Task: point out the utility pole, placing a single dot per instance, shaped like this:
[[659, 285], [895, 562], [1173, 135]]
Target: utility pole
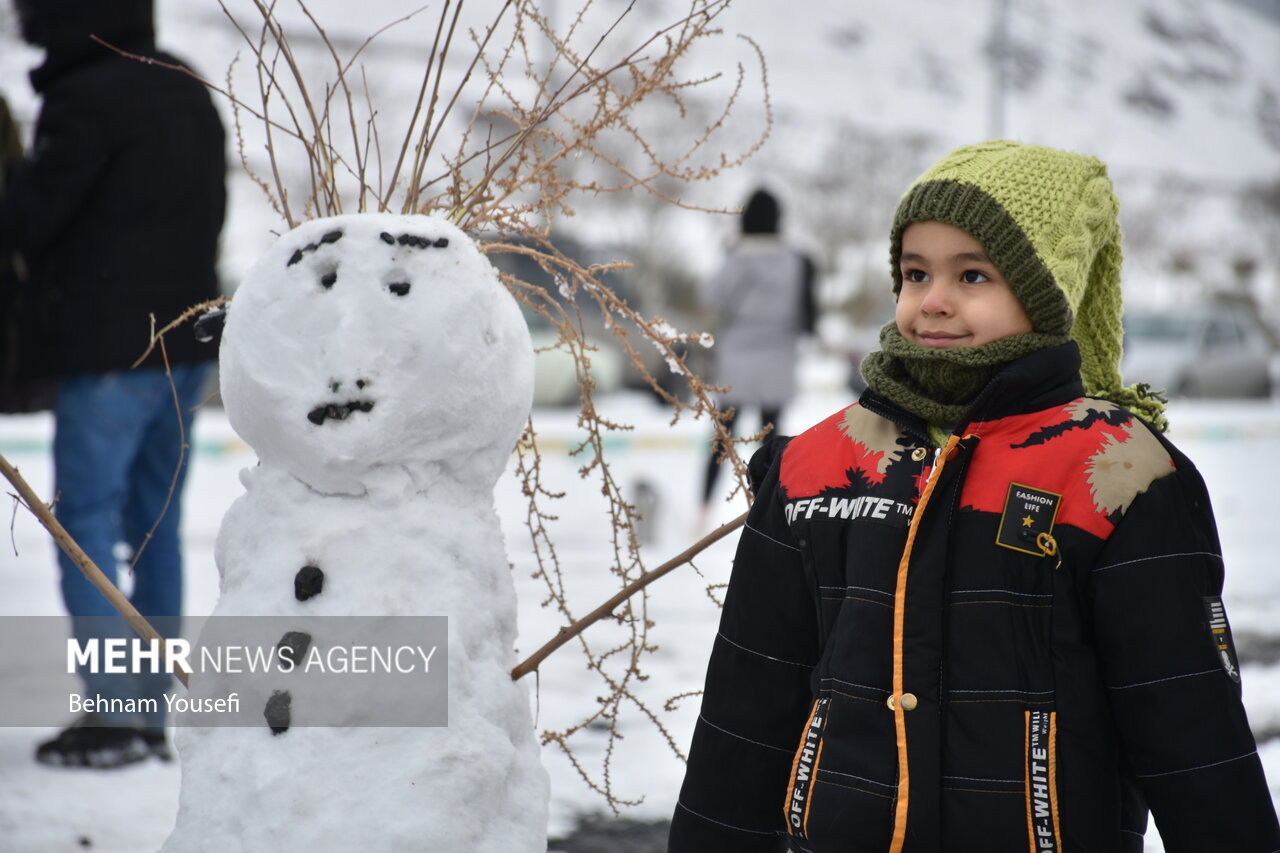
[[998, 51]]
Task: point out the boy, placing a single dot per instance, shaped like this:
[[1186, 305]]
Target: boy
[[980, 609]]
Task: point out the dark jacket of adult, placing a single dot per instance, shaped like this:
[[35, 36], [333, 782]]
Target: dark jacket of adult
[[118, 207], [1016, 643]]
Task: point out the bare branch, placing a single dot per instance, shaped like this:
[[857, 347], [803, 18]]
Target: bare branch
[[531, 663], [91, 571]]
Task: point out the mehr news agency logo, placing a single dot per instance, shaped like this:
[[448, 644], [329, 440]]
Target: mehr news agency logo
[[294, 653]]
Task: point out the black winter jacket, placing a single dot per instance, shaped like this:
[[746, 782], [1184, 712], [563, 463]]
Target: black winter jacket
[[118, 208], [1014, 643]]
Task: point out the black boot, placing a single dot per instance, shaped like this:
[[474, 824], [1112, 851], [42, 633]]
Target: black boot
[[88, 743]]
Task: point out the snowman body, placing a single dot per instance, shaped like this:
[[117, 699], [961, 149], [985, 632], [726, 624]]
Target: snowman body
[[382, 374]]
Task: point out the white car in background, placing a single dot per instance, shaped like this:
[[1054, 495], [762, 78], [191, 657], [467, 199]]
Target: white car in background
[[555, 370], [1220, 347], [555, 380]]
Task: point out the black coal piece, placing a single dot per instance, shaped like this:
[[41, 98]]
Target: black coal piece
[[297, 642], [278, 713], [308, 582]]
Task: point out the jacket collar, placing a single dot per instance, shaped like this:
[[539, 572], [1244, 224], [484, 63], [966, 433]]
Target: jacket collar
[[1035, 381]]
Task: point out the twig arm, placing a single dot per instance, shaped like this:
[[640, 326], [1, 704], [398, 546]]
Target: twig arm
[[41, 511], [568, 632]]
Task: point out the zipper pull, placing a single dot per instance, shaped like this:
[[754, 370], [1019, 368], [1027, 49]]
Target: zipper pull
[[1048, 547]]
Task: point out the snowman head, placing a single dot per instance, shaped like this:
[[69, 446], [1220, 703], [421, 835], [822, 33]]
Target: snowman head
[[370, 342]]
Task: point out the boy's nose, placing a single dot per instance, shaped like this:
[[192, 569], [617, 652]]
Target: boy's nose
[[937, 301]]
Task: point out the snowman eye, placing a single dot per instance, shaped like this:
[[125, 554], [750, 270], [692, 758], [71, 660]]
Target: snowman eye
[[327, 280], [399, 288]]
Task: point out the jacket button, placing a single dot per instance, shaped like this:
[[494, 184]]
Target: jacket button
[[907, 702], [919, 454]]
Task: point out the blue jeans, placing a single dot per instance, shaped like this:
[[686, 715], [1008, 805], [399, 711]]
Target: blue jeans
[[116, 448]]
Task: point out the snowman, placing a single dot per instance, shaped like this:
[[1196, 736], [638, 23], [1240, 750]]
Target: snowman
[[382, 374]]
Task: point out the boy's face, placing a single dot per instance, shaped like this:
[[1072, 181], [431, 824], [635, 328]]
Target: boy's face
[[952, 294]]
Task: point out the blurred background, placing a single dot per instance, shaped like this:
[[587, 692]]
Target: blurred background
[[1181, 98]]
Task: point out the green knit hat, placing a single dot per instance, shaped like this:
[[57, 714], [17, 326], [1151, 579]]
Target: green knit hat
[[1048, 220]]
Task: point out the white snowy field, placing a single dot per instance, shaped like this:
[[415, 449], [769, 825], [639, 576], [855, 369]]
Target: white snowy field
[[131, 810]]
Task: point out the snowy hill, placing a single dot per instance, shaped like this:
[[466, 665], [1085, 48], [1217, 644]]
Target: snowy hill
[[1189, 88], [1180, 97]]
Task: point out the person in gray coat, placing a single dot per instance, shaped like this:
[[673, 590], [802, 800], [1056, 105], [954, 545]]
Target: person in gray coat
[[762, 298]]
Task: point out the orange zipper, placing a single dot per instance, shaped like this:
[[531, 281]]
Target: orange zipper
[[899, 620]]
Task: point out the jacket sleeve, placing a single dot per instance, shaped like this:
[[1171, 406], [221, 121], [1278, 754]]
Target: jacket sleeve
[[1171, 672], [757, 693], [48, 188]]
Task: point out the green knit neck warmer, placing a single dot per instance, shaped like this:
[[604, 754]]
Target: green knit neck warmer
[[939, 385]]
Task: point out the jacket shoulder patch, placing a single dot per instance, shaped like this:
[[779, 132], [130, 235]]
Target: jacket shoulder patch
[[1124, 468], [852, 442], [875, 441], [1092, 452]]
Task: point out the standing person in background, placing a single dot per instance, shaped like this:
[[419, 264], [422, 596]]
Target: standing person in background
[[762, 299], [116, 212]]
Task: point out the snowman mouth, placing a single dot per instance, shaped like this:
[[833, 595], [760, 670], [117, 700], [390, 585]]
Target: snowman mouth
[[337, 411]]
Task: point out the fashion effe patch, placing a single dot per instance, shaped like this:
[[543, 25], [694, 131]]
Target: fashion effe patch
[[1026, 524]]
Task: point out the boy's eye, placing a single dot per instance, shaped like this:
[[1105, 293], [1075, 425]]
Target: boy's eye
[[973, 277], [915, 275]]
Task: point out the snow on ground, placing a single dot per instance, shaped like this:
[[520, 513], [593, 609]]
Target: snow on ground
[[46, 810]]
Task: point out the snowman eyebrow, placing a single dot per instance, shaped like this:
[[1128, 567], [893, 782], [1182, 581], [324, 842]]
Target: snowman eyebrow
[[331, 237], [414, 240]]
